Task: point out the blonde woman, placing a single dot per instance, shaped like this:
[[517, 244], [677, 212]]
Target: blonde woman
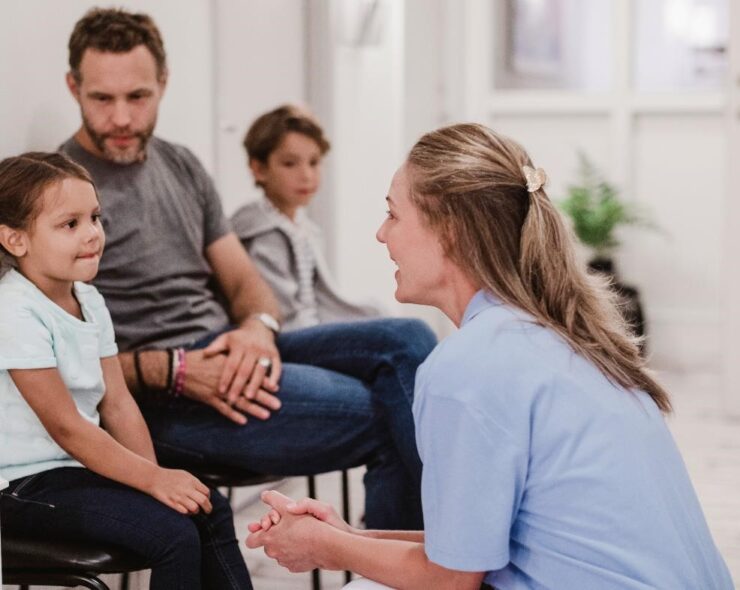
[[547, 461]]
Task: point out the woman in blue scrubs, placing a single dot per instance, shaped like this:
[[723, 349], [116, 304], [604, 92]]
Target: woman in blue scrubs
[[547, 460]]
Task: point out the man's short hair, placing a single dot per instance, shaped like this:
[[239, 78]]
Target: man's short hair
[[269, 129], [115, 31]]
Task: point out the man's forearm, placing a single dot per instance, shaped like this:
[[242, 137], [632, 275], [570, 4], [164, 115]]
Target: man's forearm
[[253, 296], [153, 370]]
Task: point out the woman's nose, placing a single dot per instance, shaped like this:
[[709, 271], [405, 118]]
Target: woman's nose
[[380, 234]]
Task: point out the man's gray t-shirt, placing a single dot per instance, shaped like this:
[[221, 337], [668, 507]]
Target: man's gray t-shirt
[[159, 217]]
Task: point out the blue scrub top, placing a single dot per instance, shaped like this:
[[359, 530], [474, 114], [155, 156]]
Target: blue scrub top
[[541, 472]]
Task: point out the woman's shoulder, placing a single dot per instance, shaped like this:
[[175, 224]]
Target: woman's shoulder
[[500, 349], [503, 335]]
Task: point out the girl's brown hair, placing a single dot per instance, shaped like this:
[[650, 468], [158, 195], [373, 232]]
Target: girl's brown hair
[[23, 180], [470, 186]]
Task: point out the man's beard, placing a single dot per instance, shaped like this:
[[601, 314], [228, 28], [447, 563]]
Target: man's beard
[[131, 155]]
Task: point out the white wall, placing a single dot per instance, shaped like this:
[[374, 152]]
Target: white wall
[[731, 238], [679, 174], [260, 58], [36, 110], [357, 92]]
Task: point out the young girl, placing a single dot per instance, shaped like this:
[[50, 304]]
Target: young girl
[[73, 443], [285, 147]]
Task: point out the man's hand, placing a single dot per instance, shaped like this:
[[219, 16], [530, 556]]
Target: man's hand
[[293, 541], [201, 385], [243, 348]]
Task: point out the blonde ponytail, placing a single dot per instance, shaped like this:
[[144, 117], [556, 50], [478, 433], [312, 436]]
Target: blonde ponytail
[[474, 185]]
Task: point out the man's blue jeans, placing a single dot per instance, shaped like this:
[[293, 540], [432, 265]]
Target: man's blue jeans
[[346, 394], [75, 504]]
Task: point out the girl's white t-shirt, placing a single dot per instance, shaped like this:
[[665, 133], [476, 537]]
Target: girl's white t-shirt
[[35, 333]]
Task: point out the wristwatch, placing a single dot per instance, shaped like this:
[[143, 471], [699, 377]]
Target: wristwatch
[[269, 321]]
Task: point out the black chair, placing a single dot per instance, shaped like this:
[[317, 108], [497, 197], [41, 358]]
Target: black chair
[[32, 560], [28, 561]]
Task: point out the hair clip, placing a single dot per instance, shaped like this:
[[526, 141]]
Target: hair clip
[[536, 179]]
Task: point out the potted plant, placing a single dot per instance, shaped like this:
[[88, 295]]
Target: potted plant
[[596, 211]]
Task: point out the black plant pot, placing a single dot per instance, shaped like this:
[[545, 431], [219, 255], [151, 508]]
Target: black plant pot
[[603, 265], [629, 297]]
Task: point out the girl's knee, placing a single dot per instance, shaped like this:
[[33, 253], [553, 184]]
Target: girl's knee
[[179, 538], [218, 525], [221, 509]]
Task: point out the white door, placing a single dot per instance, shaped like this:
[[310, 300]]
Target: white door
[[731, 299], [641, 89]]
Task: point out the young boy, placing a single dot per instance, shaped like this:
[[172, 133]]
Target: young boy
[[285, 148]]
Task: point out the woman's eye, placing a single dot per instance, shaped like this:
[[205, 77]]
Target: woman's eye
[[72, 223]]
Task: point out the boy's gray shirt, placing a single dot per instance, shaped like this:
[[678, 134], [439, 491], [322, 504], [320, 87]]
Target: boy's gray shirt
[[258, 227], [159, 217]]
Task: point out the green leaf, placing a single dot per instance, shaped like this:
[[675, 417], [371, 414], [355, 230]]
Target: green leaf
[[594, 206]]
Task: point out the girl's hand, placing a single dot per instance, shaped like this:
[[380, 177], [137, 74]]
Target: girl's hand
[[180, 491]]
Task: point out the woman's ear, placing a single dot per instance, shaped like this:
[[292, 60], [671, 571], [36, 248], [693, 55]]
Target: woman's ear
[[13, 240]]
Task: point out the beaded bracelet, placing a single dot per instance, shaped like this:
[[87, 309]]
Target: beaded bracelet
[[179, 381]]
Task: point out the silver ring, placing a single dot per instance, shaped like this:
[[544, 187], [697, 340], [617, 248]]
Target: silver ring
[[265, 362]]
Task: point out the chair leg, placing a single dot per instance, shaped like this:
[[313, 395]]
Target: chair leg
[[345, 495], [124, 581], [346, 512], [315, 574], [92, 583]]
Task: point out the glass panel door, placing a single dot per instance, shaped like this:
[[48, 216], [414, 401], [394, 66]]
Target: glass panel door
[[553, 44], [681, 45]]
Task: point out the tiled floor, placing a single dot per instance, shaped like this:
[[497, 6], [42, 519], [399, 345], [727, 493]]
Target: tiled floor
[[710, 444], [709, 441]]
